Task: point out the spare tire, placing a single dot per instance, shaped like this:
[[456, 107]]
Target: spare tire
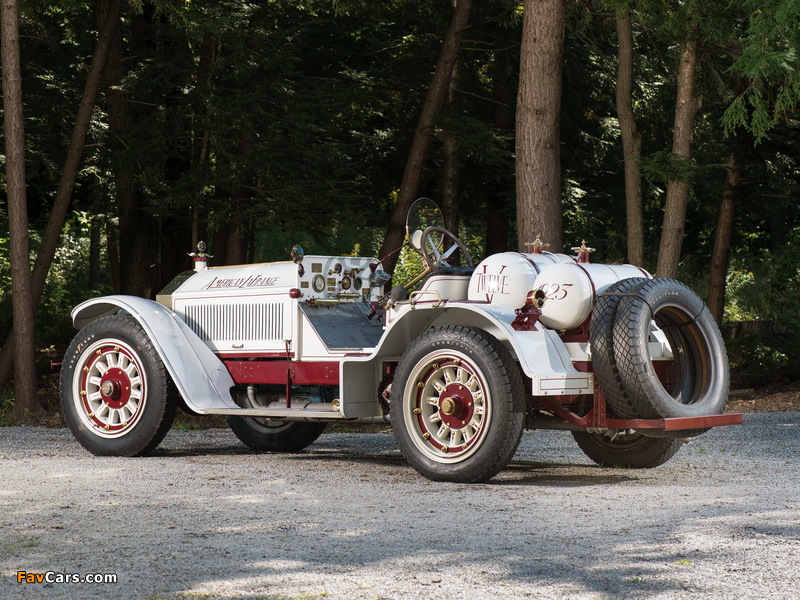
[[701, 380], [601, 338]]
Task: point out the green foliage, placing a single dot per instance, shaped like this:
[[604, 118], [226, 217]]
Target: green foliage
[[5, 284], [343, 238], [409, 265], [67, 281], [663, 166], [771, 66], [66, 284], [6, 409], [763, 296]]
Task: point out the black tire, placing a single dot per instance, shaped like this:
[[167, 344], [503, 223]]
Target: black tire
[[601, 338], [457, 405], [701, 380], [263, 435], [630, 450], [115, 392]]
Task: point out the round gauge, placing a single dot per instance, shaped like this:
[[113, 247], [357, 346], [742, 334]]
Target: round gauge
[[318, 283], [346, 282], [358, 283]]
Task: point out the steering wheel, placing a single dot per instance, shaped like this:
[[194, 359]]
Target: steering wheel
[[430, 249]]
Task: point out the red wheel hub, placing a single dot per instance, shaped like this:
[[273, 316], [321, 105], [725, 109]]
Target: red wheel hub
[[115, 388], [456, 406]]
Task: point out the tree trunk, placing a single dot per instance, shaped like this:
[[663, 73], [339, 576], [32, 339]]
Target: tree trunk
[[450, 163], [498, 201], [135, 224], [450, 180], [538, 129], [112, 248], [25, 400], [631, 139], [686, 107], [423, 134], [219, 246], [778, 219], [95, 235], [236, 251], [199, 164], [722, 240], [69, 174]]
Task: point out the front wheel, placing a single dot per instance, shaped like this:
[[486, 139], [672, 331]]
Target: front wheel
[[457, 405], [627, 449], [115, 392]]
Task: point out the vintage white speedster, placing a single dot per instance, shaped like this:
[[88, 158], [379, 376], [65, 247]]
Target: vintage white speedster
[[461, 359]]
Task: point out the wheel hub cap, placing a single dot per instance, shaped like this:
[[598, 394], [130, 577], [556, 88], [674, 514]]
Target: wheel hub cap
[[448, 406], [115, 388], [455, 408]]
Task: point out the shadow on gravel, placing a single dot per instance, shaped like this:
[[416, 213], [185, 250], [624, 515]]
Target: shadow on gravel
[[350, 459], [200, 451], [519, 473], [531, 474], [309, 456]]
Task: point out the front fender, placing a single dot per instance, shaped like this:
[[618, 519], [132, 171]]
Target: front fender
[[201, 377]]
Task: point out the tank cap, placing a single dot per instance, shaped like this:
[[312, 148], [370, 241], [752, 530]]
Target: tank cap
[[583, 252], [537, 245]]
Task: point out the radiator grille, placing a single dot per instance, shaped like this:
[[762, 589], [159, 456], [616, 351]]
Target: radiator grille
[[236, 322]]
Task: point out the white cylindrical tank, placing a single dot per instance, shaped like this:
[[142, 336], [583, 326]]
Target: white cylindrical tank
[[507, 277], [570, 290]]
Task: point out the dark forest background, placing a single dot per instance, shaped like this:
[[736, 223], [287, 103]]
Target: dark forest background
[[258, 125]]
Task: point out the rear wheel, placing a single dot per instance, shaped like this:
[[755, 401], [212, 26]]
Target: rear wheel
[[627, 449], [264, 435], [457, 405], [115, 391]]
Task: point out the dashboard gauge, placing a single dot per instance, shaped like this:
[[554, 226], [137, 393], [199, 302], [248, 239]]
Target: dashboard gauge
[[346, 283], [358, 283], [318, 283]]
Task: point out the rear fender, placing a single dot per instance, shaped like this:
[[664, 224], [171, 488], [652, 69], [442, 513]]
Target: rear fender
[[539, 351], [201, 378], [541, 354]]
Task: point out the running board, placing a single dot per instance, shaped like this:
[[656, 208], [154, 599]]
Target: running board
[[300, 410], [279, 413], [299, 414]]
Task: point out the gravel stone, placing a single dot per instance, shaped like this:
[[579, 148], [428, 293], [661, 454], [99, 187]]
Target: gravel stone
[[203, 517]]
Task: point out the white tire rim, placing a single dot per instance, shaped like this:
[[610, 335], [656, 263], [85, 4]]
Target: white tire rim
[[109, 386], [447, 406]]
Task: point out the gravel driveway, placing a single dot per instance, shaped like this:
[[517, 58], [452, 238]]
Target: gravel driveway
[[203, 518]]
